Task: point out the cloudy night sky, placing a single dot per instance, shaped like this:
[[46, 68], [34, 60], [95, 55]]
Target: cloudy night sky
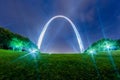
[[94, 19]]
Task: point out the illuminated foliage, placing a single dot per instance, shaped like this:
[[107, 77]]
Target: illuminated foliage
[[9, 40], [21, 45], [104, 45], [92, 51], [16, 44]]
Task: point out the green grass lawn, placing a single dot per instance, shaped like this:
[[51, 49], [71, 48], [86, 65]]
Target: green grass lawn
[[59, 66]]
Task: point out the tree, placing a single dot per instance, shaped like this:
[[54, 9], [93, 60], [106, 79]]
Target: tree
[[16, 44], [104, 45], [9, 40]]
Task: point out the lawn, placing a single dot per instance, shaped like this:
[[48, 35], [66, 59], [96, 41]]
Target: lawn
[[16, 66]]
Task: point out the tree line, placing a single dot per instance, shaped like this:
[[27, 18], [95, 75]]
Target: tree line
[[104, 45], [10, 40]]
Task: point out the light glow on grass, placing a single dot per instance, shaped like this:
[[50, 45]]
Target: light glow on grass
[[33, 51]]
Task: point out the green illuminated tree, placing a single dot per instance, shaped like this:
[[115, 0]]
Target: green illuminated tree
[[16, 44], [9, 40], [104, 45]]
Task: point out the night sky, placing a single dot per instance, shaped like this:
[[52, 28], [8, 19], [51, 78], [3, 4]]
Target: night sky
[[95, 19]]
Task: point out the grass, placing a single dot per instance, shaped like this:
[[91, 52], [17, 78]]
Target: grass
[[59, 66]]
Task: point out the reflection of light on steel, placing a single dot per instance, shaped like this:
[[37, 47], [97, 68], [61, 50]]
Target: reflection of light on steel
[[73, 26]]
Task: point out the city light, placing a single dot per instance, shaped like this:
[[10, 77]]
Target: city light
[[33, 51], [108, 46], [92, 51]]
